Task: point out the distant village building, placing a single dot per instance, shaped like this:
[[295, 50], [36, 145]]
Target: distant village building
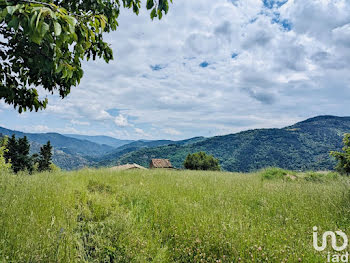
[[128, 167], [160, 163]]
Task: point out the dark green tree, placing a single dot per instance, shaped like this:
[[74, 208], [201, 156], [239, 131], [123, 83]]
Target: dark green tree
[[343, 157], [45, 157], [24, 159], [18, 154], [42, 43], [201, 161]]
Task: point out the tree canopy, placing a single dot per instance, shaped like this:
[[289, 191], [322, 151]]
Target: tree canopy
[[17, 153], [45, 159], [201, 161], [43, 43]]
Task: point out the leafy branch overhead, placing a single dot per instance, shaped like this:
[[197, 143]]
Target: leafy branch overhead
[[42, 44]]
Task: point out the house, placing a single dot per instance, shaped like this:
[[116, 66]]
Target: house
[[160, 163], [128, 167]]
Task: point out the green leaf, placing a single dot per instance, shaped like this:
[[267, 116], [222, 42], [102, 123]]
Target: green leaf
[[57, 28], [38, 18], [166, 7], [153, 13], [160, 14], [44, 28], [11, 9], [103, 21], [14, 23], [150, 4], [36, 38]]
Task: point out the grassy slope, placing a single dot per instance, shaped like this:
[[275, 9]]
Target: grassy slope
[[165, 216]]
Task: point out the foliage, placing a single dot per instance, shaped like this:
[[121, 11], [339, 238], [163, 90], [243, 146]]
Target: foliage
[[343, 158], [45, 42], [275, 173], [201, 161], [45, 157], [4, 166], [54, 168], [166, 216], [18, 154], [314, 177]]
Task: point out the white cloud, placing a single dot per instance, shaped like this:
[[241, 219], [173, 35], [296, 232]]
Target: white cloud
[[262, 68], [121, 121]]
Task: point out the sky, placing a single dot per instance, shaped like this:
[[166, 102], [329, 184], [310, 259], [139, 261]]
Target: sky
[[208, 68]]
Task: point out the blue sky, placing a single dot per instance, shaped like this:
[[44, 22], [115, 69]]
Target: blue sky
[[209, 68]]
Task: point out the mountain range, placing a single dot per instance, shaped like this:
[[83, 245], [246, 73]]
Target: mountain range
[[302, 146]]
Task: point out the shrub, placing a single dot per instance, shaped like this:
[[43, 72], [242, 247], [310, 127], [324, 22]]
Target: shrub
[[314, 177], [54, 168], [201, 161], [4, 167], [274, 173]]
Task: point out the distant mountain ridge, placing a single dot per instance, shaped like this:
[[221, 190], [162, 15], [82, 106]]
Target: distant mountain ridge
[[113, 157], [69, 153], [302, 146], [102, 140]]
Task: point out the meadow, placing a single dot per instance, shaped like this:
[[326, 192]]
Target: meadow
[[169, 216]]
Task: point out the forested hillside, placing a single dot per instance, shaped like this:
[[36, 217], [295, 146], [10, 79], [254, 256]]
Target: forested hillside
[[303, 146], [68, 153], [114, 157]]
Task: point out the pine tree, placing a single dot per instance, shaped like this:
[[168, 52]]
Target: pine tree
[[18, 154], [24, 160], [45, 157]]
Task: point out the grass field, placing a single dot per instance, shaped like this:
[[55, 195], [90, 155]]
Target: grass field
[[168, 216]]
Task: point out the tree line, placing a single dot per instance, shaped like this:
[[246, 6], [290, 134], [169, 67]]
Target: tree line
[[15, 156]]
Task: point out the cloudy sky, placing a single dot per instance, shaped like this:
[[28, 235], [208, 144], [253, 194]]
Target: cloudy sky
[[209, 68]]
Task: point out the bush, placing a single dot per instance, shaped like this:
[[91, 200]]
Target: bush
[[314, 177], [4, 167], [274, 173], [54, 168], [201, 161]]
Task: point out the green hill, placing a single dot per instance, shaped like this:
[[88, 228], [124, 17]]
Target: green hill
[[66, 144], [113, 157], [69, 153], [303, 146]]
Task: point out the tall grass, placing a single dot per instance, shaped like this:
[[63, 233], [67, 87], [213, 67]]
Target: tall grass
[[166, 216]]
